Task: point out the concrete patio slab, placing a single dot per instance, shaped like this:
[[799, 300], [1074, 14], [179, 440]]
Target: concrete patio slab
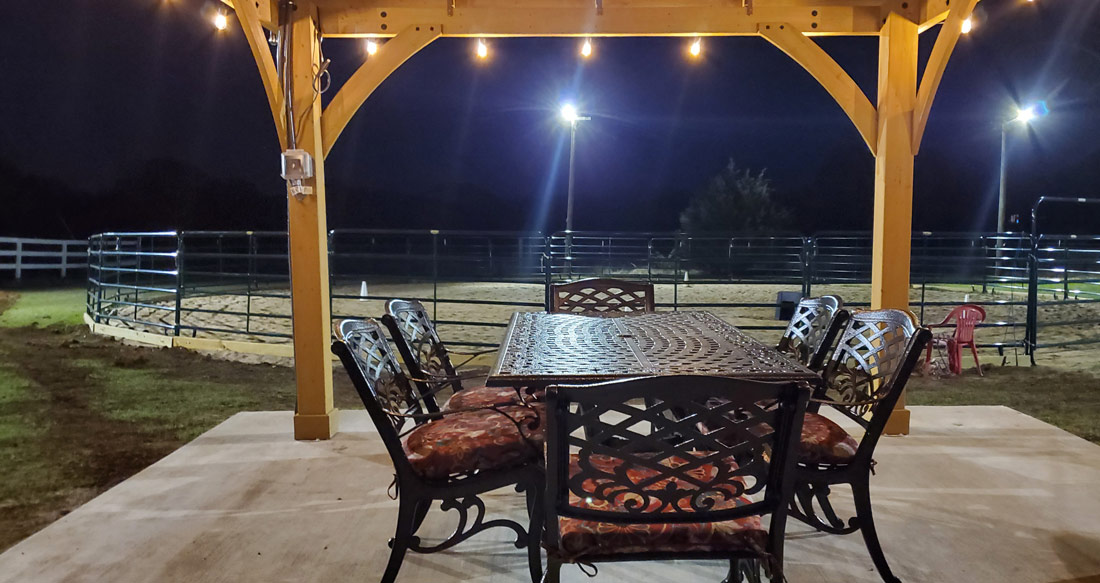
[[976, 494]]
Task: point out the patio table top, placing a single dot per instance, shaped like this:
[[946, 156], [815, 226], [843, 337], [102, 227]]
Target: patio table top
[[542, 349]]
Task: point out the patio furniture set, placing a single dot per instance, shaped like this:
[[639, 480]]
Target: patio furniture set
[[635, 434]]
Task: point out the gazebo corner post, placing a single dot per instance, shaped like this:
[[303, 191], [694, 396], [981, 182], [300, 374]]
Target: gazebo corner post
[[893, 208], [314, 416]]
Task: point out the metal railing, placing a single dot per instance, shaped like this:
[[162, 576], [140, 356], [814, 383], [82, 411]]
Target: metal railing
[[236, 284], [62, 255]]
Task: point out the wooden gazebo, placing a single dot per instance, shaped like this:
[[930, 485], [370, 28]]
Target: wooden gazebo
[[892, 129]]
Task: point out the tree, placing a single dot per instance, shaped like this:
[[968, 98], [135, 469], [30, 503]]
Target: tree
[[735, 201]]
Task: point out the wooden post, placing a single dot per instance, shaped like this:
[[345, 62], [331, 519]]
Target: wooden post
[[314, 417], [897, 94]]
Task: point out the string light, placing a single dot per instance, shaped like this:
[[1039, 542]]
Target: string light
[[372, 47], [586, 48], [221, 21], [967, 25], [482, 49], [696, 48]]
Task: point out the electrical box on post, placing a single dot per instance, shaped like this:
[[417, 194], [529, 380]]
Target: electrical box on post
[[297, 165]]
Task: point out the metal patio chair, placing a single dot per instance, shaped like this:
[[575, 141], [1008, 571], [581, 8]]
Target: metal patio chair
[[450, 456], [813, 329], [428, 360], [863, 380], [637, 486], [595, 297]]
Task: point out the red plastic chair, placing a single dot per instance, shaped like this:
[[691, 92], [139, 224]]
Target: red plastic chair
[[967, 317]]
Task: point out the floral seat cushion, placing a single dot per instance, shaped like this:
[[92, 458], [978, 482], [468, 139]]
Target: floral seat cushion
[[581, 538], [468, 441], [478, 397], [825, 442]]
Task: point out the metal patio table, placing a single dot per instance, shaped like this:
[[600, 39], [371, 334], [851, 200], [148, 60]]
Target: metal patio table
[[541, 349]]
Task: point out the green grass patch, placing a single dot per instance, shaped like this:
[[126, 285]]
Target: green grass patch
[[1069, 400], [162, 400], [45, 308]]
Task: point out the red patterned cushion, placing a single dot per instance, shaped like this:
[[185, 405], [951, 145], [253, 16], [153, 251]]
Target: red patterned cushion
[[476, 397], [580, 538], [825, 442], [476, 440]]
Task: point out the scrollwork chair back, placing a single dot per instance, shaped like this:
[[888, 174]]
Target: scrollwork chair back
[[871, 364], [813, 329], [613, 456], [417, 341], [594, 297]]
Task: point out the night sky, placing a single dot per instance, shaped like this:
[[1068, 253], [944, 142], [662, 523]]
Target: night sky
[[93, 89]]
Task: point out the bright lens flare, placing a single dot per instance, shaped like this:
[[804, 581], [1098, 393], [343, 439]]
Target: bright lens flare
[[968, 25], [586, 48], [221, 21], [482, 49], [372, 47], [1026, 115], [569, 112], [696, 47]]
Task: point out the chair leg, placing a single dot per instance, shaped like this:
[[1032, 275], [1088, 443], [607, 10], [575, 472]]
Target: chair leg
[[406, 524], [421, 512], [862, 495], [553, 571], [534, 532], [974, 350]]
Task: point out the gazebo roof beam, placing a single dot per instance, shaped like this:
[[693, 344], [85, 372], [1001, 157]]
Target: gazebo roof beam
[[502, 18]]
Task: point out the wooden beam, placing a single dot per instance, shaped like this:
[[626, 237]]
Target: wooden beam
[[314, 417], [257, 41], [892, 234], [830, 75], [267, 11], [937, 64], [618, 18], [370, 75]]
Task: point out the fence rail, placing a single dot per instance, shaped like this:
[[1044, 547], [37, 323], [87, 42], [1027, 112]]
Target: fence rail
[[155, 280], [18, 255]]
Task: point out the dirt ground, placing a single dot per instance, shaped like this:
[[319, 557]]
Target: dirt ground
[[268, 314]]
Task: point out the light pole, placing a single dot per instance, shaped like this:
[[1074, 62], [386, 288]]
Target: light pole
[[570, 116], [1024, 115]]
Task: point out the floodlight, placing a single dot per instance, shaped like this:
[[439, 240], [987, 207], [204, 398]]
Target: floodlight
[[569, 113]]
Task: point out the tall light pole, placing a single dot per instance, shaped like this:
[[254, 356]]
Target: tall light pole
[[1024, 116], [569, 115]]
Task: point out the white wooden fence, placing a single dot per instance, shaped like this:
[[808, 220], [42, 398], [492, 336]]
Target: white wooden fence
[[19, 255]]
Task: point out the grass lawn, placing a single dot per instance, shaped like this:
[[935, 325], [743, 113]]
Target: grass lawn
[[80, 413], [1070, 400]]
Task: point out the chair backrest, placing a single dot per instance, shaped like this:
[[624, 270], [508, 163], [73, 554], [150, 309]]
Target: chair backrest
[[671, 449], [382, 386], [967, 317], [423, 353], [870, 366], [601, 296], [813, 329]]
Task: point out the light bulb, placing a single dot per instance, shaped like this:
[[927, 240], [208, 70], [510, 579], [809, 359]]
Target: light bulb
[[372, 47], [696, 47], [482, 49], [586, 48], [221, 21], [967, 26]]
